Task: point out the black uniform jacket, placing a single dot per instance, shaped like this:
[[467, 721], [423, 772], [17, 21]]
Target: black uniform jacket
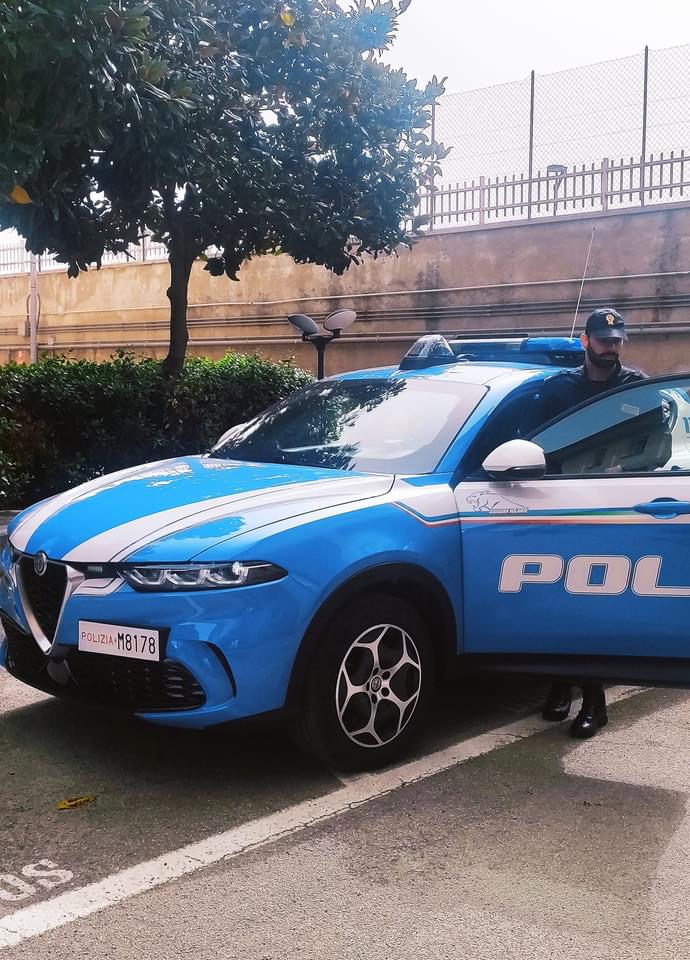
[[569, 389]]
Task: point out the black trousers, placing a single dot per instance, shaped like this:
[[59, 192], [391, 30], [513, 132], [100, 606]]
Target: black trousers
[[593, 694]]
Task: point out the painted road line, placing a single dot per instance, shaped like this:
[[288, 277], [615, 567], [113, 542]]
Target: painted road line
[[35, 877], [76, 904]]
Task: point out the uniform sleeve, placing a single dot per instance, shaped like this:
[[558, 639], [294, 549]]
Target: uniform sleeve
[[555, 398]]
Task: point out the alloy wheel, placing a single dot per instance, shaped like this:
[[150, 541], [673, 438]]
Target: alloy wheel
[[378, 685]]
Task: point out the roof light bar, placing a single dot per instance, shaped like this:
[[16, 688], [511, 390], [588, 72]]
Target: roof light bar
[[429, 351], [434, 349]]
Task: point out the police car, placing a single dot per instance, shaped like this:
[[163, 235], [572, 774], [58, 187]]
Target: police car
[[335, 556]]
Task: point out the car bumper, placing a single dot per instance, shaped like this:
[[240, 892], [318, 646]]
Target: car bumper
[[228, 653]]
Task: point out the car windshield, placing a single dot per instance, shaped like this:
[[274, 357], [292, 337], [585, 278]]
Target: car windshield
[[374, 426]]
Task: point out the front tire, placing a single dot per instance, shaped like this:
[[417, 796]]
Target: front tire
[[368, 687]]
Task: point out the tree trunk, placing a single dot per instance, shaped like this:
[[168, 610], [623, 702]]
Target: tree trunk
[[180, 270]]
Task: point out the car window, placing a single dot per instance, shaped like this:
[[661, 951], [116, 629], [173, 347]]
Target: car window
[[376, 426], [640, 429], [517, 416]]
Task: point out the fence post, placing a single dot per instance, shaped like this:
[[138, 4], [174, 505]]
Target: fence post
[[432, 199], [643, 157], [33, 308], [482, 200], [604, 187], [531, 147]]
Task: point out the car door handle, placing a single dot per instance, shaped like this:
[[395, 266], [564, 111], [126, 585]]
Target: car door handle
[[664, 509]]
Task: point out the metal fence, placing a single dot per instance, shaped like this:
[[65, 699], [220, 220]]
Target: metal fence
[[630, 107], [607, 136], [14, 258], [584, 188]]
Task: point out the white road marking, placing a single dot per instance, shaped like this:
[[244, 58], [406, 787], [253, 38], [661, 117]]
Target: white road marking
[[76, 904], [44, 874]]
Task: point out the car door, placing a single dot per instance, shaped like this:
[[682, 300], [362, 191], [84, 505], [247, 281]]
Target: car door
[[591, 560]]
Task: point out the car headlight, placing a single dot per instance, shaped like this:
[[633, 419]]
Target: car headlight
[[200, 576]]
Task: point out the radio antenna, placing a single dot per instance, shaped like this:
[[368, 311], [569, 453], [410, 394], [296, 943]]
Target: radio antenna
[[591, 239]]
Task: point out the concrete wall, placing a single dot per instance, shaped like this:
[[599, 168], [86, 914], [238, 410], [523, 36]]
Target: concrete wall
[[507, 278]]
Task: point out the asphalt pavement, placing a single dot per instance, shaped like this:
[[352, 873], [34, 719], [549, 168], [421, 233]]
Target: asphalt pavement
[[540, 847], [517, 843]]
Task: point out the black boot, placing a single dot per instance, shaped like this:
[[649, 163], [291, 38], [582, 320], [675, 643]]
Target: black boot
[[593, 715], [557, 706]]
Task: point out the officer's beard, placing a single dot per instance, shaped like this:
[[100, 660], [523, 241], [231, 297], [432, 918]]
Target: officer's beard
[[605, 361]]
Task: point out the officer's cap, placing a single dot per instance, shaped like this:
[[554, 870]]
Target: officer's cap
[[606, 323]]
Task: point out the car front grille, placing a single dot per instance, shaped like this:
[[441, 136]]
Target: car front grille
[[133, 685], [43, 594]]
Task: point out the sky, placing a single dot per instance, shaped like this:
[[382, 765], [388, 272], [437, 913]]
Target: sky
[[583, 113], [477, 43]]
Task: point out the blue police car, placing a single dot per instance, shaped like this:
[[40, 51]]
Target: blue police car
[[335, 556]]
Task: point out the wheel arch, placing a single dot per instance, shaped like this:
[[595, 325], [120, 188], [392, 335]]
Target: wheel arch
[[408, 581]]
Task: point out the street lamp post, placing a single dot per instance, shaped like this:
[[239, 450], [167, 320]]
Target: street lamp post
[[33, 308], [334, 324]]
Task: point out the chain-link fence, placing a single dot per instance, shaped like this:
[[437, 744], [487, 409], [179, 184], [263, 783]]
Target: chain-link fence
[[487, 129], [608, 135], [668, 107]]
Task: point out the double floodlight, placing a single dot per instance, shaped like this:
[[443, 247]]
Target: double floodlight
[[333, 325], [335, 322]]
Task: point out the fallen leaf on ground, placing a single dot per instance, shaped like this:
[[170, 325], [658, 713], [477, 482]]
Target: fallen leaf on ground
[[74, 802]]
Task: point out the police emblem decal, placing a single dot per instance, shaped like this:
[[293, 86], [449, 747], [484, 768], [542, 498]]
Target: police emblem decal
[[40, 563], [610, 319]]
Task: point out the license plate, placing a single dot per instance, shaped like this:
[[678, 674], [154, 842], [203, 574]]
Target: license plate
[[113, 640]]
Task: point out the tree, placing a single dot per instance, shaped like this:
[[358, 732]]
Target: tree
[[63, 66], [246, 127]]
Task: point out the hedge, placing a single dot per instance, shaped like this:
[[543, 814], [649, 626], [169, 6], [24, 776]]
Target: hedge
[[65, 421]]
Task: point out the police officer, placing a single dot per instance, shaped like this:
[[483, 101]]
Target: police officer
[[602, 370]]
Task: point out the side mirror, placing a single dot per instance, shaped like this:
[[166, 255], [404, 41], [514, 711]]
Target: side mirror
[[516, 460]]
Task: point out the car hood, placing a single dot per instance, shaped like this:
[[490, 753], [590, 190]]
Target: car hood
[[188, 503]]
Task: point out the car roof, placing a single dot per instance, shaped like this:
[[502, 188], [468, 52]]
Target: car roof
[[502, 362], [477, 372]]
